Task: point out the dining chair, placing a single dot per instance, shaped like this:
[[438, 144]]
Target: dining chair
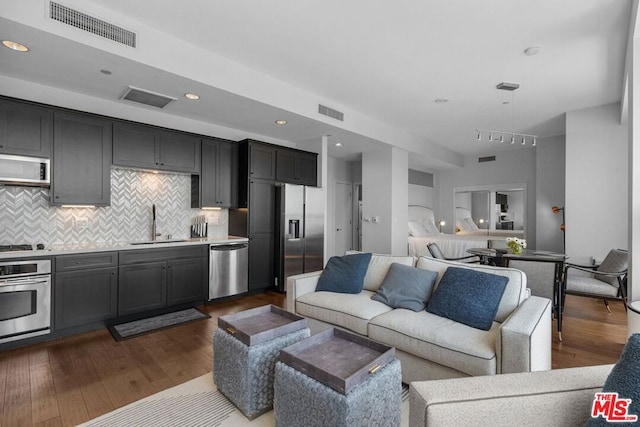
[[607, 280], [435, 252]]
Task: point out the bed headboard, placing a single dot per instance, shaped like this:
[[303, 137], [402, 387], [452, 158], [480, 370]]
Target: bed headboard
[[420, 213], [463, 213]]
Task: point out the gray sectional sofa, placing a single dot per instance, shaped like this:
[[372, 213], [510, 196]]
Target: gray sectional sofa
[[429, 346]]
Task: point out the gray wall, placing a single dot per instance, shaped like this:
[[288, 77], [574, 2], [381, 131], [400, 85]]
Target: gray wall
[[550, 191]]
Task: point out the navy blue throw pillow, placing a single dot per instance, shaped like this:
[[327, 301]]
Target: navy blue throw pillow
[[406, 287], [624, 379], [344, 274], [468, 296]]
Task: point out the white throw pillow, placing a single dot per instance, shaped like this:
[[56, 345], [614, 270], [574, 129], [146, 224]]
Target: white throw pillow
[[417, 229], [472, 225], [462, 225], [430, 226]]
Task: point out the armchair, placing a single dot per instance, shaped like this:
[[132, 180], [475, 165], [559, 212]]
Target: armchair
[[606, 281]]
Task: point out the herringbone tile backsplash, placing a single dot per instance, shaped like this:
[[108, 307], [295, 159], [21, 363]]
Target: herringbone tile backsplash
[[26, 217]]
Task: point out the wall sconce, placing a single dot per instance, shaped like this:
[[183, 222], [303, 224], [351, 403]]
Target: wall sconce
[[440, 224]]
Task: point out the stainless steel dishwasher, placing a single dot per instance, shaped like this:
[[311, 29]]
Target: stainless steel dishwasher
[[228, 269]]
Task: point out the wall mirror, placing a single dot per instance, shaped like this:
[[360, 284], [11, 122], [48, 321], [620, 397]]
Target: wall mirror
[[493, 207]]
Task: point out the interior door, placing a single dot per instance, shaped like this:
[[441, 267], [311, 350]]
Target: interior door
[[343, 206]]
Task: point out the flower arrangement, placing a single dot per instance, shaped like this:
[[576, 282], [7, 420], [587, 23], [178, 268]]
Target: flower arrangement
[[516, 245]]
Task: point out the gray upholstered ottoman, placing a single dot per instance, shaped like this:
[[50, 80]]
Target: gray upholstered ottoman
[[335, 382], [245, 349]]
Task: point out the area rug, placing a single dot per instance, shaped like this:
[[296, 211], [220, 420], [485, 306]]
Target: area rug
[[194, 403], [156, 323]]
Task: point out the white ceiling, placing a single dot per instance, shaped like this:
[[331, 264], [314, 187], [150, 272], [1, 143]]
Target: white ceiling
[[383, 62]]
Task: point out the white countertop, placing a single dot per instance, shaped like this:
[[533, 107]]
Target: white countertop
[[74, 248]]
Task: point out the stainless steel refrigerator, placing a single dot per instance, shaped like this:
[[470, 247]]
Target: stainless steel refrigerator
[[299, 230]]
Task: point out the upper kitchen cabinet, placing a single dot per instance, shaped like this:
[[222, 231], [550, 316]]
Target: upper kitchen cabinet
[[147, 147], [296, 167], [216, 186], [25, 129], [179, 152], [262, 161], [136, 146], [81, 160]]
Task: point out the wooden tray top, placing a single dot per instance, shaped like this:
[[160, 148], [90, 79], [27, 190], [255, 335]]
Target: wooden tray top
[[261, 324], [338, 359]]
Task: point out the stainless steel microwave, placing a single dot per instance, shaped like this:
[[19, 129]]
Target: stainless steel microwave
[[23, 170]]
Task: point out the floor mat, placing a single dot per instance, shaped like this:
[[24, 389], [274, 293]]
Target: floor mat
[[156, 323]]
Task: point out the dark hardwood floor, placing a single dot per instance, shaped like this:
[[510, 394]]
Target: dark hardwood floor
[[72, 380]]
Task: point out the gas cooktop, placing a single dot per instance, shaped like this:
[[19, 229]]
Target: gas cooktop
[[11, 248]]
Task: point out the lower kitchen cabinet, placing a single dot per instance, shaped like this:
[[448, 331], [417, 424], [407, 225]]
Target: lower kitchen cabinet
[[85, 289], [186, 280], [85, 296], [143, 287], [153, 279]]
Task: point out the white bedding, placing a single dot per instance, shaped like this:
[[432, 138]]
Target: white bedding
[[453, 245]]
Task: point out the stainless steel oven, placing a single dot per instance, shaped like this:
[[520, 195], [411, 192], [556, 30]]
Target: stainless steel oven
[[25, 299]]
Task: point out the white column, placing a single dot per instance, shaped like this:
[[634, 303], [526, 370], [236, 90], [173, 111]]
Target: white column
[[385, 197], [323, 179], [634, 188]]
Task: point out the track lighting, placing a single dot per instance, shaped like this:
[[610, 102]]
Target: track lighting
[[506, 88]]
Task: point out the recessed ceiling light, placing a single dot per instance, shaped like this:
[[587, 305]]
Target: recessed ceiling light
[[533, 50], [281, 122], [191, 96], [338, 144], [19, 47], [106, 72], [441, 100]]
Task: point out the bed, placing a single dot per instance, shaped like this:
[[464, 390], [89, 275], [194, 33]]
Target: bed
[[423, 230]]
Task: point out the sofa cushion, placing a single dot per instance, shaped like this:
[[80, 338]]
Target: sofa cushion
[[624, 379], [406, 287], [344, 274], [438, 339], [514, 294], [468, 296], [378, 268], [349, 311]]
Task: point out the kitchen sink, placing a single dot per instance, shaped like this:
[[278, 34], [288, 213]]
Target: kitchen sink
[[156, 242]]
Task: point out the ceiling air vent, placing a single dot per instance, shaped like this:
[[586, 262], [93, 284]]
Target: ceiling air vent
[[330, 112], [147, 97], [88, 23], [486, 159]]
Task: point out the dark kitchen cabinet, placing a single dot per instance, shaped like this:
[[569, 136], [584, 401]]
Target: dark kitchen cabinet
[[152, 279], [296, 167], [261, 261], [81, 160], [262, 161], [85, 289], [25, 129], [147, 147], [179, 152], [136, 146], [262, 206], [186, 280], [256, 195], [143, 287], [216, 186]]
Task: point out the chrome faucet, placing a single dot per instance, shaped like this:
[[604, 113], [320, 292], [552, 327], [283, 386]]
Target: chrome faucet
[[154, 234]]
